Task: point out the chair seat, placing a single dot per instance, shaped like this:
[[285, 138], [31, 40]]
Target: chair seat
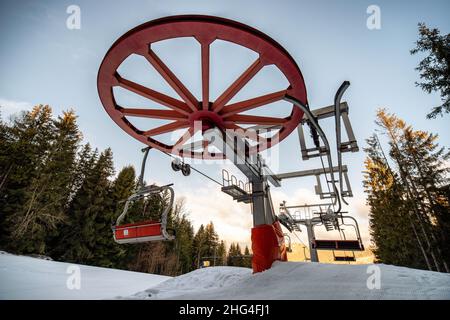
[[138, 232]]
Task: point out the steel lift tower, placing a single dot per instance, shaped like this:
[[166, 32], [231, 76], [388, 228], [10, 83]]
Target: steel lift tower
[[222, 127]]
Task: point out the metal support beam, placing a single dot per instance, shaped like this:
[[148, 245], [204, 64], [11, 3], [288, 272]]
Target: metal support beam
[[311, 236], [327, 112], [323, 113], [236, 149], [351, 145], [306, 173]]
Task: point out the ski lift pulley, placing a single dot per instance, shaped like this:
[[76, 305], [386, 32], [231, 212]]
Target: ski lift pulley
[[177, 165]]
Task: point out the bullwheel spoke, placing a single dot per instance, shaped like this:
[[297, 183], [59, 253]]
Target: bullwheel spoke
[[152, 113], [153, 95], [249, 119], [167, 128], [171, 79], [249, 104], [237, 85], [205, 47]]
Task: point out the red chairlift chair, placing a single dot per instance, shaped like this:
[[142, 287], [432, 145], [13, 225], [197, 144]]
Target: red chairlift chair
[[148, 230]]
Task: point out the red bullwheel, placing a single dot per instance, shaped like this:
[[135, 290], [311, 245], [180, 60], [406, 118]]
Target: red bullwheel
[[183, 113]]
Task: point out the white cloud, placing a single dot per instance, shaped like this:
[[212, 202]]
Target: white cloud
[[232, 220], [11, 107]]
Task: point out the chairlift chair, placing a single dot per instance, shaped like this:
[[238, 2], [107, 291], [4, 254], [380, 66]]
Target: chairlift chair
[[148, 230], [341, 245]]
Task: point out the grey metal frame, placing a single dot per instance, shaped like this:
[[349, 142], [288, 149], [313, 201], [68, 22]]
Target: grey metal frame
[[254, 168], [346, 189], [259, 175], [340, 111]]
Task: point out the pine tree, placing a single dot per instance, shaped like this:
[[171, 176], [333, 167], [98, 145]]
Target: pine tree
[[44, 192], [428, 173], [247, 259], [84, 162], [6, 145], [231, 254], [441, 209], [6, 167], [211, 242], [235, 257], [105, 248], [87, 237], [393, 128], [57, 175], [184, 232], [122, 188], [28, 140], [199, 245], [221, 254], [392, 227], [239, 260], [62, 247], [413, 191], [434, 68]]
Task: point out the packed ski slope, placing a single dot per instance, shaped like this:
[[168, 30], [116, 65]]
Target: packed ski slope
[[31, 278]]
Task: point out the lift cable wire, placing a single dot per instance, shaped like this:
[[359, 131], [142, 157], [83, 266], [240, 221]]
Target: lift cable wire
[[196, 170]]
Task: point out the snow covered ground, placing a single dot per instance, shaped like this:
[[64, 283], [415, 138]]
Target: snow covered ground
[[31, 278], [300, 280]]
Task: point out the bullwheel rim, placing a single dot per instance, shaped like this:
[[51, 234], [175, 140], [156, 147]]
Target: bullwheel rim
[[184, 113]]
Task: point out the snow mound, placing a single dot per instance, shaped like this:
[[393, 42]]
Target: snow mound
[[299, 280], [200, 280], [23, 277]]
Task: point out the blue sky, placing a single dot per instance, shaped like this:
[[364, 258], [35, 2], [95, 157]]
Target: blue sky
[[41, 61]]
